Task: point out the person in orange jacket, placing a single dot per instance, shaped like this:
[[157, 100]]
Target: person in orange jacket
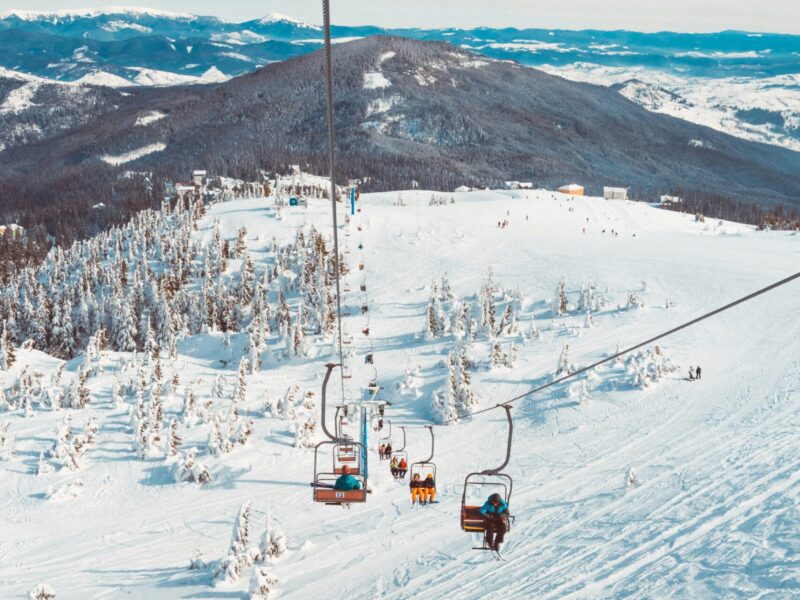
[[417, 489], [402, 467], [429, 486]]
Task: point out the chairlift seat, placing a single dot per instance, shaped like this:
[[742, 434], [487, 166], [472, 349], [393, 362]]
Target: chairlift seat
[[329, 496]]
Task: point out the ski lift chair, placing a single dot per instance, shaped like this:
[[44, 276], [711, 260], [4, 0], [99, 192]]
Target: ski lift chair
[[385, 440], [480, 485], [426, 467], [347, 453], [344, 451], [324, 481], [401, 453]]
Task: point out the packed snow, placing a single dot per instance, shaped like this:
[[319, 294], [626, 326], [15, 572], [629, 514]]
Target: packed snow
[[630, 482], [121, 159]]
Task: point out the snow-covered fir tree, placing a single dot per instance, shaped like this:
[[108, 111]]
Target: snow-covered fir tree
[[7, 356], [262, 583], [239, 554], [565, 365], [560, 302]]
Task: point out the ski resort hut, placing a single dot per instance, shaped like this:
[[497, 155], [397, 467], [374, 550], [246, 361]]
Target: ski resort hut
[[463, 188], [615, 193], [572, 189], [198, 177]]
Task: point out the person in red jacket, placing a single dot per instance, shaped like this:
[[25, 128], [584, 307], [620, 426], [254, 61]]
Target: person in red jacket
[[402, 467]]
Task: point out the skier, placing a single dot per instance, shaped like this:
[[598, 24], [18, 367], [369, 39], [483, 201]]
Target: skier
[[382, 450], [495, 517], [417, 490], [346, 481], [430, 489], [387, 451], [697, 372], [393, 466], [402, 467], [691, 373]]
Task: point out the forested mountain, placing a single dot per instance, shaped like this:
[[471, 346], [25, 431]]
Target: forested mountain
[[406, 111]]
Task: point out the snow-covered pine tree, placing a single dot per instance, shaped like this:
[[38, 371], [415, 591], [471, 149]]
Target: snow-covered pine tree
[[83, 396], [560, 302], [7, 356], [174, 438], [188, 468], [248, 278], [631, 480], [240, 395], [219, 386], [262, 583], [273, 541], [443, 404], [230, 568], [466, 399], [584, 394], [432, 327], [42, 591], [446, 291], [565, 366], [487, 305], [254, 354], [241, 241], [498, 358], [7, 442]]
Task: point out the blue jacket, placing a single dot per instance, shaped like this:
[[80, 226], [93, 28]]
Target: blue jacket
[[347, 482], [488, 510]]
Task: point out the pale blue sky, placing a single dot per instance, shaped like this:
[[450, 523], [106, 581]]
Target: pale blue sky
[[641, 15]]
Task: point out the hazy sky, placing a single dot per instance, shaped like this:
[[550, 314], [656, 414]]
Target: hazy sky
[[641, 15]]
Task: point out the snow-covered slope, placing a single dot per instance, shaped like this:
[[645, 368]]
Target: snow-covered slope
[[713, 511], [757, 108]]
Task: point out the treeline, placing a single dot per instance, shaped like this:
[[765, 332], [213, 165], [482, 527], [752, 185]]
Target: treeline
[[720, 207]]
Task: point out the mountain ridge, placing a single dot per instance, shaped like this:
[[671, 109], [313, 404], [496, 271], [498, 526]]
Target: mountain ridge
[[406, 111]]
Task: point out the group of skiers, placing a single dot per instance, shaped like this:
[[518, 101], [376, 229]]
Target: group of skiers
[[695, 373], [422, 491], [385, 451], [494, 510], [398, 467]]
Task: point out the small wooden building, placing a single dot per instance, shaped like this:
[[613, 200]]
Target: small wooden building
[[572, 189], [615, 193]]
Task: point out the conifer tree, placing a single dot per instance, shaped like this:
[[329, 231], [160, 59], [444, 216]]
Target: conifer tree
[[7, 356]]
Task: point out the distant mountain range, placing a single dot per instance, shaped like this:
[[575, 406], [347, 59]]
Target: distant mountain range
[[755, 94], [406, 111]]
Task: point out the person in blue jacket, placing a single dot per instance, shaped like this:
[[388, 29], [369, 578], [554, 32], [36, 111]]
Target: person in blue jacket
[[346, 482], [495, 519]]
